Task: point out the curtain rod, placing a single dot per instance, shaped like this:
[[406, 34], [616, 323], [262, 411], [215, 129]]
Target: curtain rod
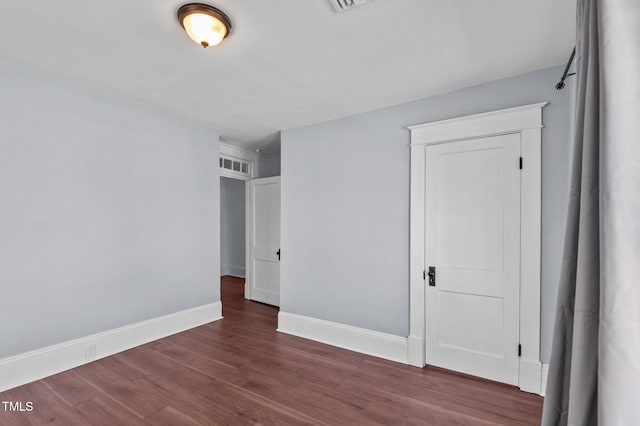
[[566, 74]]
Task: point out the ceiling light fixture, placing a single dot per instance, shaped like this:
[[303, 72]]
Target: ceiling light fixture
[[206, 25]]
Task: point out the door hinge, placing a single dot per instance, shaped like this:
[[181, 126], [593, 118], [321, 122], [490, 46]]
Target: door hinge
[[520, 163], [519, 349], [424, 275]]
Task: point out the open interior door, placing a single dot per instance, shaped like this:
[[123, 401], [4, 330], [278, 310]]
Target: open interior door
[[263, 248]]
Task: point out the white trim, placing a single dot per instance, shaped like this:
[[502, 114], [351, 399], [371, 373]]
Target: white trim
[[545, 374], [417, 299], [530, 235], [38, 364], [530, 375], [233, 152], [511, 120], [232, 175], [415, 351], [248, 200], [527, 121], [375, 343]]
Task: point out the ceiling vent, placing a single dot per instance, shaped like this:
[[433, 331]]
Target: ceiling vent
[[344, 5]]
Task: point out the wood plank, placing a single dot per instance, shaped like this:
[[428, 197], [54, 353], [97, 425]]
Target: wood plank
[[241, 371], [47, 406], [70, 388], [140, 397], [104, 411]]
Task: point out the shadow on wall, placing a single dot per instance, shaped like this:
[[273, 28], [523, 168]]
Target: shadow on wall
[[269, 164]]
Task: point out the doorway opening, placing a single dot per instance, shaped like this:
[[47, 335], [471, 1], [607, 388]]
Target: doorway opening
[[250, 222], [232, 227], [237, 166]]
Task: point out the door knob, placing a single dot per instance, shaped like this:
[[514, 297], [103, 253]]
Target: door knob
[[432, 276]]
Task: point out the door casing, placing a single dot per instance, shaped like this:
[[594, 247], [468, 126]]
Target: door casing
[[527, 122]]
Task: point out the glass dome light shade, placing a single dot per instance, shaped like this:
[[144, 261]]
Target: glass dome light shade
[[204, 24]]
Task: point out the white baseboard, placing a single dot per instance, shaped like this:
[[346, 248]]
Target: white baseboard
[[545, 373], [38, 364], [233, 271], [382, 345], [530, 377]]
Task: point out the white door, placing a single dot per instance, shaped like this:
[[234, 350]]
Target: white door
[[263, 279], [473, 244]]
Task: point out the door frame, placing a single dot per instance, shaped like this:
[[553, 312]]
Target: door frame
[[526, 121], [234, 153], [249, 230]]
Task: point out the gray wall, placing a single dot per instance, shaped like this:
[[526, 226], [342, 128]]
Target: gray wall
[[269, 164], [232, 227], [108, 212], [345, 204]]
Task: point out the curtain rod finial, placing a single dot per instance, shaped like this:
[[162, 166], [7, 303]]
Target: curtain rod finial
[[566, 74]]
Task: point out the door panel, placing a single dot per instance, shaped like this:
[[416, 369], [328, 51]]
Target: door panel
[[266, 282], [478, 330], [469, 224], [473, 240], [266, 196], [264, 205]]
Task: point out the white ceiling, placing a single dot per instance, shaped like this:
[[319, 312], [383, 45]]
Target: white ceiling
[[288, 62]]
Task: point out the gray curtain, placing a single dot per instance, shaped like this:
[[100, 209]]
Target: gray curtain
[[594, 373]]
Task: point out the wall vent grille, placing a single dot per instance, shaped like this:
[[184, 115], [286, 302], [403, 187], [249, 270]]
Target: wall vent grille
[[344, 5]]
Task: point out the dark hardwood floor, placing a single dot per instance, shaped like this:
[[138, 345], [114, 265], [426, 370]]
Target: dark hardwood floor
[[241, 371]]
